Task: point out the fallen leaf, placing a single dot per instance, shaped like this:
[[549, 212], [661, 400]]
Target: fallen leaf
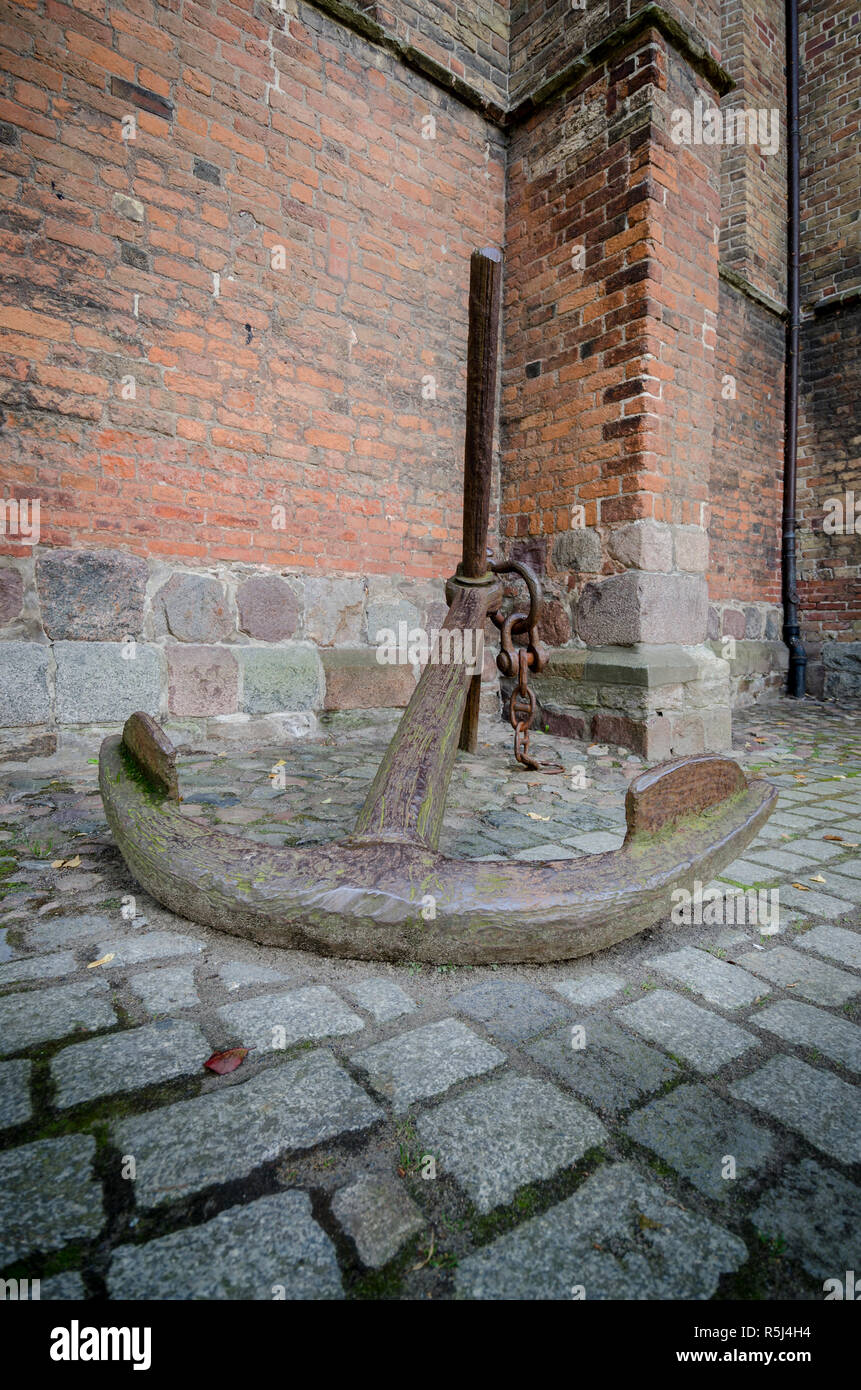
[[535, 816], [223, 1062], [833, 837], [817, 878], [56, 863], [803, 886], [429, 1253], [104, 960], [646, 1223]]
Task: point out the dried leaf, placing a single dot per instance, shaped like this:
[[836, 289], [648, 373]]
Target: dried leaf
[[803, 886], [817, 878], [56, 863], [223, 1062], [533, 815], [429, 1253], [833, 837], [104, 960], [646, 1223], [73, 863]]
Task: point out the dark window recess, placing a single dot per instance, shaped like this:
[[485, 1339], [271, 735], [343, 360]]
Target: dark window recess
[[208, 172], [131, 255], [140, 96], [533, 369]]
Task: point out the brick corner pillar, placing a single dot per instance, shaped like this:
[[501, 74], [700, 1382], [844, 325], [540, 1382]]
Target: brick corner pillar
[[610, 390]]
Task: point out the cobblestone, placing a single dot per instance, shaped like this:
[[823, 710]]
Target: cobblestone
[[507, 1132], [15, 1103], [618, 1237], [426, 1061], [611, 1071], [697, 1133], [271, 1248], [48, 1196], [224, 1135], [718, 982], [36, 1016], [128, 1061], [274, 1021], [701, 1038], [812, 979], [813, 1102]]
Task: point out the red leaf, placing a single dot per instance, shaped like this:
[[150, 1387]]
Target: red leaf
[[223, 1062]]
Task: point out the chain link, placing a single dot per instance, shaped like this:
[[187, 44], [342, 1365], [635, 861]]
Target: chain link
[[521, 712]]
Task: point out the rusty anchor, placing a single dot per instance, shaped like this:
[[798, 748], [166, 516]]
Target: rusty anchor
[[384, 892]]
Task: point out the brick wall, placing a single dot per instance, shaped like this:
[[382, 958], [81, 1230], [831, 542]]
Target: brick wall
[[273, 265], [609, 376], [829, 433]]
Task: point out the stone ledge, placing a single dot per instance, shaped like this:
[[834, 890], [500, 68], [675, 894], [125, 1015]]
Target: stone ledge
[[660, 701]]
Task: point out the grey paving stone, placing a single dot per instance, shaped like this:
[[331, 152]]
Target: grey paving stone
[[785, 858], [546, 852], [505, 1133], [48, 1196], [426, 1061], [695, 1131], [71, 928], [271, 1248], [818, 1214], [382, 998], [151, 945], [237, 974], [618, 1237], [67, 1287], [612, 1071], [851, 867], [817, 850], [842, 889], [835, 1038], [15, 1103], [274, 1021], [835, 942], [745, 872], [596, 841], [718, 982], [816, 1104], [128, 1061], [167, 989], [510, 1009], [39, 1015], [811, 978], [590, 989], [684, 1029], [379, 1215], [27, 968], [814, 903], [228, 1132]]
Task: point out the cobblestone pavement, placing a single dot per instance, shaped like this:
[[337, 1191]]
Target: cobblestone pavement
[[673, 1118]]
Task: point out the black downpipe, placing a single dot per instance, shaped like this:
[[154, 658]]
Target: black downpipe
[[791, 630]]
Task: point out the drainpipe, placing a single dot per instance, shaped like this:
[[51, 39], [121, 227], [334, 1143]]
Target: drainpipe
[[791, 629]]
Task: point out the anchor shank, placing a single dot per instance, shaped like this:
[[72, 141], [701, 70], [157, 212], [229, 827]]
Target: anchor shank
[[407, 797], [485, 281]]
